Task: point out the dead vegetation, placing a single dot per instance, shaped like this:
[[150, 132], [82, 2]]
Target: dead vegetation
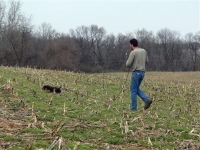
[[92, 112]]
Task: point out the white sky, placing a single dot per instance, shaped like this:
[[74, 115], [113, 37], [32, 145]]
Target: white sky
[[116, 16]]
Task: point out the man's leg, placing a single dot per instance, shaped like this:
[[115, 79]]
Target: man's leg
[[140, 93], [133, 90]]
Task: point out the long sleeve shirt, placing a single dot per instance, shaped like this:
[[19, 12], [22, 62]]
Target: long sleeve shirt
[[137, 59]]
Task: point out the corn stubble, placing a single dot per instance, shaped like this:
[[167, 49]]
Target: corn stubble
[[92, 111]]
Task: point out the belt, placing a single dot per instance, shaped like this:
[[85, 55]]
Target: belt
[[138, 71]]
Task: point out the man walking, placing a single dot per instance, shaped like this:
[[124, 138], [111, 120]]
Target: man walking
[[137, 60]]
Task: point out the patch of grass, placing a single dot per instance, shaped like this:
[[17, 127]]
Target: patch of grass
[[11, 138], [41, 143]]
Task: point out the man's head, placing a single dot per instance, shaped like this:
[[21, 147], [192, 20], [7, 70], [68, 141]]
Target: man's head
[[133, 43]]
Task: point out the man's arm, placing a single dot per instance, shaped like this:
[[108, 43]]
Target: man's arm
[[130, 59]]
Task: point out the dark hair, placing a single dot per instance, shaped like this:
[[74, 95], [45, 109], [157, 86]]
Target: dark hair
[[134, 42]]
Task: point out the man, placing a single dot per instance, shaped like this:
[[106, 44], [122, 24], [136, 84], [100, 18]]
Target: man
[[137, 60]]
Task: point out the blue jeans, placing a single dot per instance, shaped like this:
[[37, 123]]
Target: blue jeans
[[136, 80]]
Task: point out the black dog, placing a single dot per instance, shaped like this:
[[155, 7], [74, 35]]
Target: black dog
[[51, 88]]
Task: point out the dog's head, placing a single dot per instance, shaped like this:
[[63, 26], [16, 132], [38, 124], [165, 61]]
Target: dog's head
[[58, 89]]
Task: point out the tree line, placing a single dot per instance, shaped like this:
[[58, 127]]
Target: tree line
[[89, 48]]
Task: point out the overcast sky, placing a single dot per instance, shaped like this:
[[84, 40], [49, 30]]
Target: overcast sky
[[116, 16]]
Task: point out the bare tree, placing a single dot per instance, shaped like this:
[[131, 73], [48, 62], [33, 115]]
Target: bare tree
[[170, 46], [47, 32], [97, 35], [109, 50], [61, 53], [193, 46], [45, 35], [2, 26], [2, 14], [17, 31], [121, 49], [89, 40]]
